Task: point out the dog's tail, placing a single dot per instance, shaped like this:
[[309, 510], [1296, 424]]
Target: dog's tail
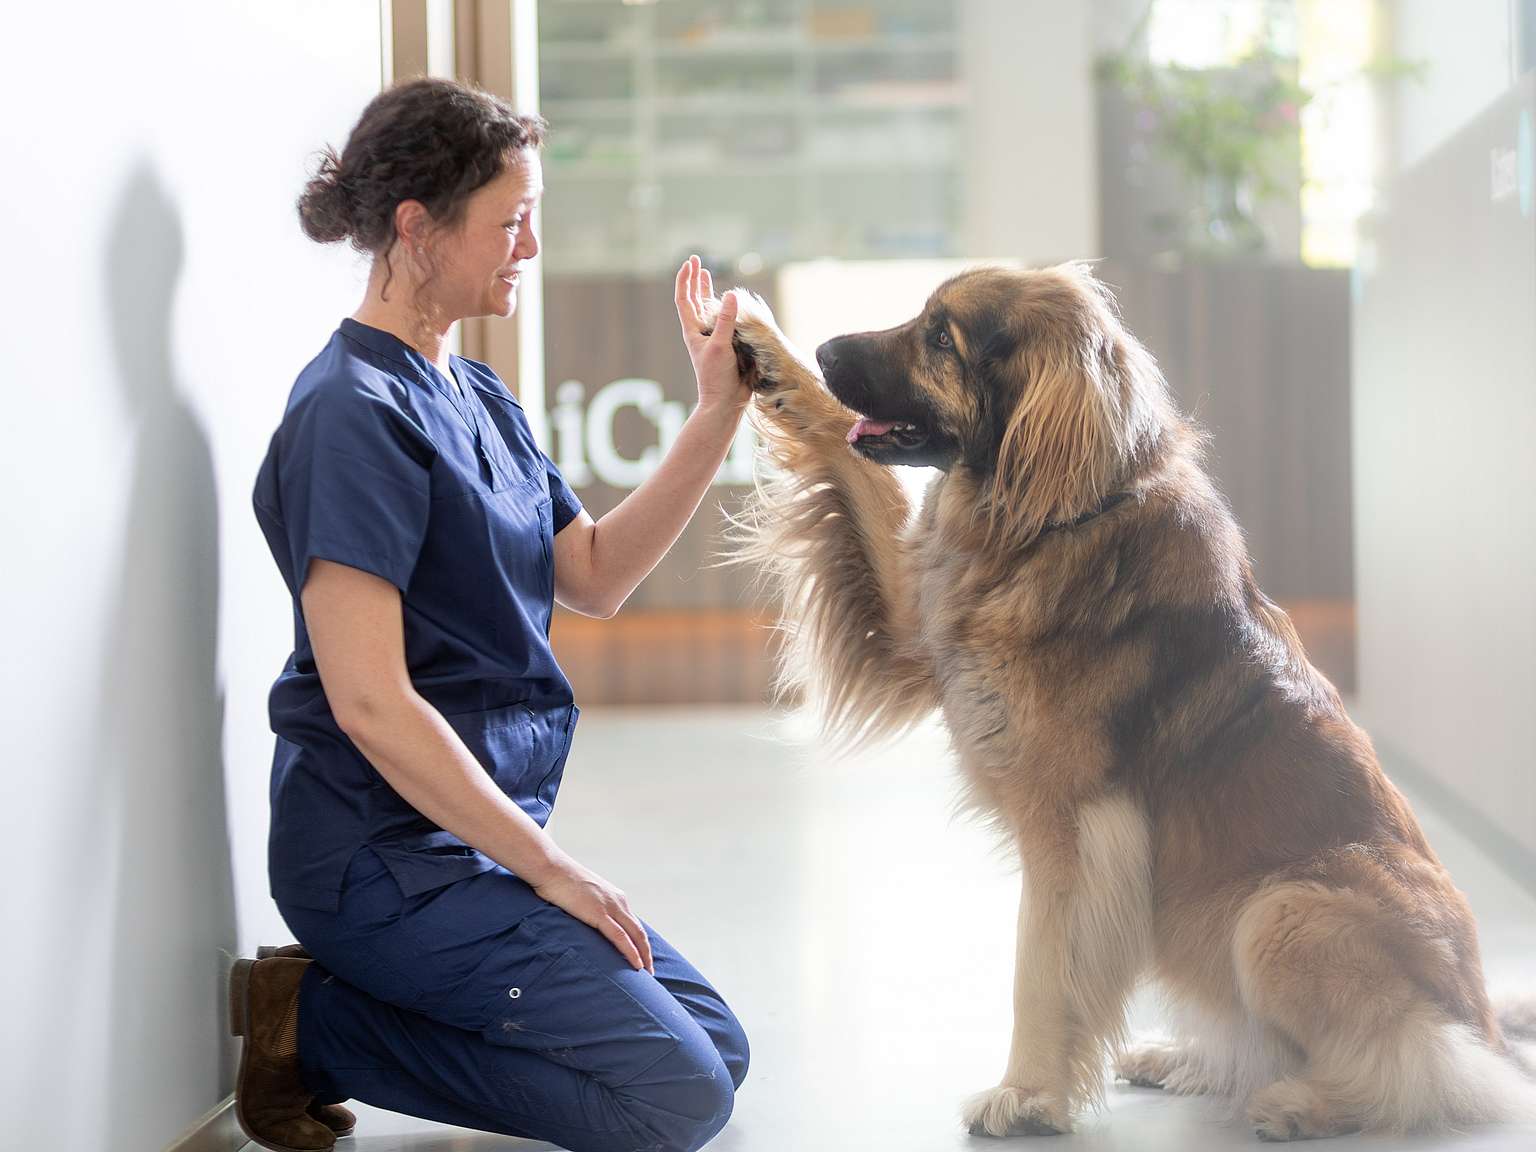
[[1517, 1020], [1517, 1017]]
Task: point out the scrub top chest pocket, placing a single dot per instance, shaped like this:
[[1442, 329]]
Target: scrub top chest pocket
[[474, 454]]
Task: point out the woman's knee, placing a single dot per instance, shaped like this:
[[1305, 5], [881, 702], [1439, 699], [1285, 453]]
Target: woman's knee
[[685, 1102], [735, 1052]]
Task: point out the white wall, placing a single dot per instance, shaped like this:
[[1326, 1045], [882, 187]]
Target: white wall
[[1444, 348], [159, 299], [1469, 47], [1031, 154]]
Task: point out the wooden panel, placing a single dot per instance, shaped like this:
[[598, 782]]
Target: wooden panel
[[409, 32], [694, 657], [1260, 356]]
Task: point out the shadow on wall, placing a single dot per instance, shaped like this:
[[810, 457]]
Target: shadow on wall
[[157, 813]]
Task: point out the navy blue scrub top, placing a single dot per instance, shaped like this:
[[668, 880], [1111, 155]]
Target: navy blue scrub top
[[380, 465]]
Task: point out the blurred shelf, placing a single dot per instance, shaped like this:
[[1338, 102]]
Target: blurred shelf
[[793, 131], [730, 167], [767, 103], [579, 51]]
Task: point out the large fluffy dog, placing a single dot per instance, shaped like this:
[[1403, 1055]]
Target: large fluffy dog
[[1188, 798]]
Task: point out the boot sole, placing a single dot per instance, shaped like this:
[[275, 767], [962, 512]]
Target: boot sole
[[239, 1015]]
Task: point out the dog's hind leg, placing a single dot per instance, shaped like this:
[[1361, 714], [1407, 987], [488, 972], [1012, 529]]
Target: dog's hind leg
[[828, 531], [1333, 971], [1084, 932]]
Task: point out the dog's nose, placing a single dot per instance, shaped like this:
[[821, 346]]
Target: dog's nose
[[826, 356]]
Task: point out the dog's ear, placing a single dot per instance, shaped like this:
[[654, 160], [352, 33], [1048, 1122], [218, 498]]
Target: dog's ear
[[1083, 401], [1057, 455]]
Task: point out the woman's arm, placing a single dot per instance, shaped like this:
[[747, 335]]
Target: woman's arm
[[599, 563], [357, 631]]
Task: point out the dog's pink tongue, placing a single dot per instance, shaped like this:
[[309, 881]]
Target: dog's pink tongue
[[868, 427]]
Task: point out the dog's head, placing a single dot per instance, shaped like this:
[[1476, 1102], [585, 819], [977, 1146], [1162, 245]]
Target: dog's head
[[1026, 378]]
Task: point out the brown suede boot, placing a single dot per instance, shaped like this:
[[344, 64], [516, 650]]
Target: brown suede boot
[[339, 1120], [266, 951], [270, 1099]]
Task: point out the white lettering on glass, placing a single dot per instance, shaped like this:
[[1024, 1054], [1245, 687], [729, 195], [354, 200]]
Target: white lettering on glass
[[583, 434]]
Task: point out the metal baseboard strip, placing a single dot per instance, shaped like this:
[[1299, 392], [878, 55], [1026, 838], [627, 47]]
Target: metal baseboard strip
[[216, 1131]]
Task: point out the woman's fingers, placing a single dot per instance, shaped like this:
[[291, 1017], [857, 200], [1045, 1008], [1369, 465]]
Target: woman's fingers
[[619, 938], [725, 322], [688, 314], [708, 285], [641, 938]]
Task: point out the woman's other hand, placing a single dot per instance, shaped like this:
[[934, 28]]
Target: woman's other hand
[[594, 901], [714, 360]]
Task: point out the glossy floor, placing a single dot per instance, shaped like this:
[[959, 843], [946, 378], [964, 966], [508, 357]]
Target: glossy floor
[[865, 936]]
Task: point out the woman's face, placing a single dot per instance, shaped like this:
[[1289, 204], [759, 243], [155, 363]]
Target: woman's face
[[478, 262]]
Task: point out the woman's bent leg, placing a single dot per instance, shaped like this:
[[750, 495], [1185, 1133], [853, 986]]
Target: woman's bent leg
[[360, 1048], [438, 1005]]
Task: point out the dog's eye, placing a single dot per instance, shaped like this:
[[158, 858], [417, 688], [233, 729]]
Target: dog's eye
[[941, 338]]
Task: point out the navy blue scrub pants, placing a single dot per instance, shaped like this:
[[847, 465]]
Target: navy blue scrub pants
[[439, 1006]]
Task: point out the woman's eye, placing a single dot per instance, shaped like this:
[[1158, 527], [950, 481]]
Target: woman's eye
[[514, 226]]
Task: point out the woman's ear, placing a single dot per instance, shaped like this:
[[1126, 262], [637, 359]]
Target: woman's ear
[[411, 223], [1056, 458]]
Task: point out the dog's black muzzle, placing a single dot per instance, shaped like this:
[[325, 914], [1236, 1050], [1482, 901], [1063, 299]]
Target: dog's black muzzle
[[867, 374]]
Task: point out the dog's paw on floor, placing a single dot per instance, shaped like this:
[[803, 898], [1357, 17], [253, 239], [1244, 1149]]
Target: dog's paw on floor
[[1009, 1111], [1165, 1064], [1150, 1065], [1292, 1109]]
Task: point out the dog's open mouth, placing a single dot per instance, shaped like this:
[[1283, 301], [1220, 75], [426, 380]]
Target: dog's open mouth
[[867, 434]]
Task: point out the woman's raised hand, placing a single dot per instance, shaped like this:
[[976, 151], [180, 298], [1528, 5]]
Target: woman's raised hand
[[714, 360]]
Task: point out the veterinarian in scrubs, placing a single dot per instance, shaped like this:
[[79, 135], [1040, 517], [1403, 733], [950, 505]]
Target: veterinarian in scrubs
[[465, 969]]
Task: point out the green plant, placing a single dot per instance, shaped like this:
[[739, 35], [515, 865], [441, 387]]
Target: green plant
[[1226, 131]]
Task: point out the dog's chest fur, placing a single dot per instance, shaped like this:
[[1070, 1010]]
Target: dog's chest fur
[[1014, 732]]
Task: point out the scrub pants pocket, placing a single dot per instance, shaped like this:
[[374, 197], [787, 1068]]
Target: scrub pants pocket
[[557, 1002]]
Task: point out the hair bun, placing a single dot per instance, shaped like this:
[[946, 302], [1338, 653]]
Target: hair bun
[[325, 206]]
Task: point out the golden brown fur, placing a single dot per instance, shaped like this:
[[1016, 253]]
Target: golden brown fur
[[1187, 796]]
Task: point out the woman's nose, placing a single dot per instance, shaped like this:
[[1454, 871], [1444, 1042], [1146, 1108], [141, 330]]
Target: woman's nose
[[527, 245]]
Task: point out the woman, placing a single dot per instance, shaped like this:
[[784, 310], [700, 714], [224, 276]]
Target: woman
[[464, 968]]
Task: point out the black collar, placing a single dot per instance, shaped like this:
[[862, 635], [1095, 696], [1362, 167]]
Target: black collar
[[1104, 506]]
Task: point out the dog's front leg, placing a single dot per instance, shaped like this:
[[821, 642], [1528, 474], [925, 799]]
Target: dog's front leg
[[1084, 930], [1035, 1096], [828, 529]]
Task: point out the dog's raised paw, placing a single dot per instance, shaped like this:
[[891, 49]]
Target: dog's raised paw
[[764, 356], [1010, 1111]]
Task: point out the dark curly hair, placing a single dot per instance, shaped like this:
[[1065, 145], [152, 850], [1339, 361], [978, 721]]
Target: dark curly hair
[[426, 139]]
